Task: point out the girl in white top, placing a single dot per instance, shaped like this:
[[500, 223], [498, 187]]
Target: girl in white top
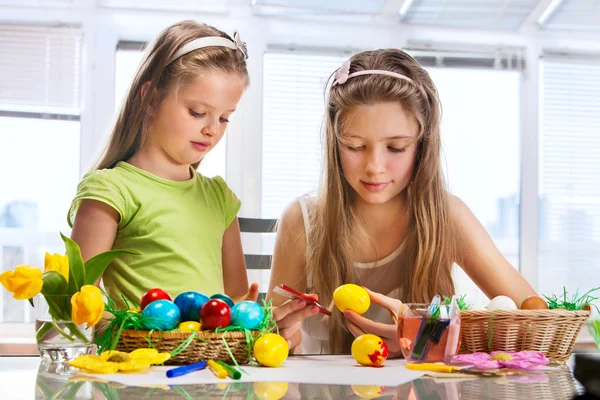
[[382, 217]]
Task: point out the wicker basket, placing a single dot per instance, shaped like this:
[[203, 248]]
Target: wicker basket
[[207, 346], [552, 332]]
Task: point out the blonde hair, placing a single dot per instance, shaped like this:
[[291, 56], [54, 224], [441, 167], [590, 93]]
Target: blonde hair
[[128, 132], [335, 223]]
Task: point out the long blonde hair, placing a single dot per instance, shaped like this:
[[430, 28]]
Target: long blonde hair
[[128, 132], [335, 223]]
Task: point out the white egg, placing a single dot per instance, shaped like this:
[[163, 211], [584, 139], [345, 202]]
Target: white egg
[[501, 303]]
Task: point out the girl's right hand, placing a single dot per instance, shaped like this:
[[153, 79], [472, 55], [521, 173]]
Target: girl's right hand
[[289, 317]]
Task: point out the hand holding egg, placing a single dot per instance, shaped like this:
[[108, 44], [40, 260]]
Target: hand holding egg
[[351, 297]]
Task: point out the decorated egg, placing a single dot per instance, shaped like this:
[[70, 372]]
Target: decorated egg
[[190, 326], [247, 314], [271, 350], [153, 295], [534, 303], [162, 315], [224, 297], [270, 390], [501, 303], [351, 297], [369, 350], [368, 391], [189, 304], [215, 314]]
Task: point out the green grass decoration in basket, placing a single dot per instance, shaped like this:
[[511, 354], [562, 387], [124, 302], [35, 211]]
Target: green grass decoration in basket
[[127, 330]]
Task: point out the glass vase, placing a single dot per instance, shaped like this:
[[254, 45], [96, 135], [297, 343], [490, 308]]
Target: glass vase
[[59, 339]]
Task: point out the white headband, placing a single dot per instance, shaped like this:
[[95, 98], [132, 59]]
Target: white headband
[[343, 74], [219, 41]]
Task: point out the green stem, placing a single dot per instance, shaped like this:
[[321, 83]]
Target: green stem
[[43, 331], [55, 325], [75, 331]]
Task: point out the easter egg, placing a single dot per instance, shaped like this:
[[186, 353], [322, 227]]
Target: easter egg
[[190, 326], [162, 315], [271, 350], [189, 304], [247, 314], [215, 314], [534, 303], [351, 297], [368, 391], [153, 295], [224, 297], [501, 303], [369, 350], [270, 390]]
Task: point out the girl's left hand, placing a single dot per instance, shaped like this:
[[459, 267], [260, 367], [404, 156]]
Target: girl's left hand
[[359, 325], [252, 294]]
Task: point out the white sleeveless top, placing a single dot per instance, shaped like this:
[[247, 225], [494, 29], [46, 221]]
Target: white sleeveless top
[[380, 276]]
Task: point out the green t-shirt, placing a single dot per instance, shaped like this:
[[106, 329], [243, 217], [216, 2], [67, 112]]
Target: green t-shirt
[[176, 226]]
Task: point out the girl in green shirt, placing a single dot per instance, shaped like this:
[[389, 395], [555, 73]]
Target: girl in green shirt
[[145, 194]]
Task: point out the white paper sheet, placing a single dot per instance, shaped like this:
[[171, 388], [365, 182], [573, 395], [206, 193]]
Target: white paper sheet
[[340, 370]]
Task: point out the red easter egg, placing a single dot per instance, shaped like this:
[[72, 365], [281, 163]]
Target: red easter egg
[[153, 295], [215, 313]]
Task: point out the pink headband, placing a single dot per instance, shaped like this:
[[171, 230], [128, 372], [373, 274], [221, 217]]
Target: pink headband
[[343, 74]]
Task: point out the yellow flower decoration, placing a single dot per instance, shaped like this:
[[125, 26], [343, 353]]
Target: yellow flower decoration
[[87, 305], [25, 282], [58, 263], [112, 361]]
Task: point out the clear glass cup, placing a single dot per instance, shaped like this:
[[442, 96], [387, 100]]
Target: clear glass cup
[[428, 337]]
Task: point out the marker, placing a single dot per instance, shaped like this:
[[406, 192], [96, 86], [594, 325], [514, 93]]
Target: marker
[[186, 369], [433, 367], [231, 372], [216, 369]]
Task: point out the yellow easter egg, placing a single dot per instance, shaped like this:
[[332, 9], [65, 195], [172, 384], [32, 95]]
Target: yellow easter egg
[[190, 326], [351, 297], [271, 350], [368, 392], [270, 390], [369, 350]]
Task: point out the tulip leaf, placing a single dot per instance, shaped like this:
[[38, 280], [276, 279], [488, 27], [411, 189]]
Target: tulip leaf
[[54, 283], [76, 266], [96, 265]]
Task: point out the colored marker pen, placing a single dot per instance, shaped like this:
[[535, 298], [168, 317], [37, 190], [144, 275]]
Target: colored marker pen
[[186, 369], [231, 372], [218, 370]]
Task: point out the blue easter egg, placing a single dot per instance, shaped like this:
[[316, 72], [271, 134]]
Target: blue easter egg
[[189, 304], [223, 297], [162, 315], [247, 314]]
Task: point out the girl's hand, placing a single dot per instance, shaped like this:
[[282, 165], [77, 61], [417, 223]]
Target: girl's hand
[[358, 325], [252, 294], [289, 317]]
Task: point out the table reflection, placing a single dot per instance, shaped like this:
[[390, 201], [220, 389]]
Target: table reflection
[[551, 384]]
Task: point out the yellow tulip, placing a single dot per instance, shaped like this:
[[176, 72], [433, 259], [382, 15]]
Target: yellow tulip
[[87, 305], [58, 263], [25, 282]]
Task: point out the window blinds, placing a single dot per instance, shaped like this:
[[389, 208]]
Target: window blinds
[[569, 212], [40, 68], [293, 110]]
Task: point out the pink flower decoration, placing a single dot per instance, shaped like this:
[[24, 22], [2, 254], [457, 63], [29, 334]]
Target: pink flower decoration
[[341, 76], [499, 359]]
